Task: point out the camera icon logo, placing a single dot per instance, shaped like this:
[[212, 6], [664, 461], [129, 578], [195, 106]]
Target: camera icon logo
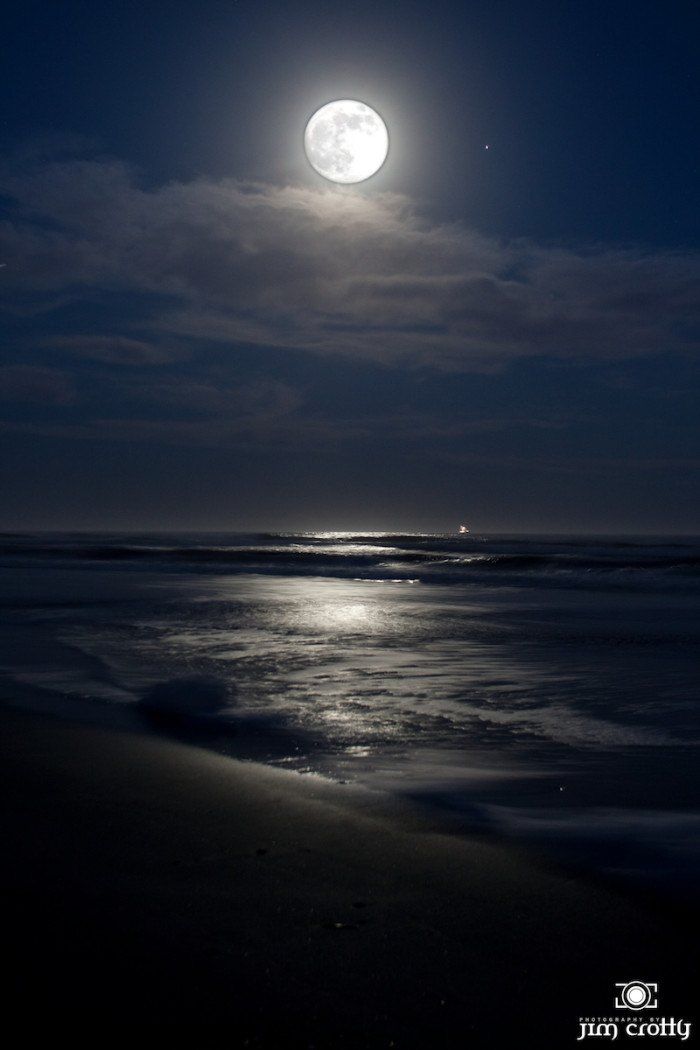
[[636, 995]]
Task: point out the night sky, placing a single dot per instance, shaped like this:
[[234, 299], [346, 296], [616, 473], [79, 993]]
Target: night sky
[[199, 332]]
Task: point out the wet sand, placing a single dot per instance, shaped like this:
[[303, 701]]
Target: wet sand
[[146, 881]]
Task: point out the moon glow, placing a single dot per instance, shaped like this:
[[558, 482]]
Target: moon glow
[[346, 141]]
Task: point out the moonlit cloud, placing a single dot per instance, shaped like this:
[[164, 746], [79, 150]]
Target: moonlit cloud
[[328, 272]]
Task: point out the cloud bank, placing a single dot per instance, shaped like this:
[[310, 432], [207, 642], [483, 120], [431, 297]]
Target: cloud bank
[[328, 272]]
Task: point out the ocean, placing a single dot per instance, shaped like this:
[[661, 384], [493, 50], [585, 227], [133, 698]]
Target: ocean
[[542, 689]]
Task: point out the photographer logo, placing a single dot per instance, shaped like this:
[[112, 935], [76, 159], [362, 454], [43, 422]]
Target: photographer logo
[[632, 996], [636, 995]]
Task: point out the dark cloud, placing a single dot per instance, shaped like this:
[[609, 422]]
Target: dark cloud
[[169, 412], [114, 349], [331, 272], [30, 385]]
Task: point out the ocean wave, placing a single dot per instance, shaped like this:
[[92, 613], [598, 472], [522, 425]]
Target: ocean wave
[[444, 558]]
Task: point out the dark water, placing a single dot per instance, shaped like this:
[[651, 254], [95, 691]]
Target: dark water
[[543, 688]]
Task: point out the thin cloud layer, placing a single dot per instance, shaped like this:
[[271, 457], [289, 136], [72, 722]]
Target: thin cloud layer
[[26, 384], [330, 272], [114, 350]]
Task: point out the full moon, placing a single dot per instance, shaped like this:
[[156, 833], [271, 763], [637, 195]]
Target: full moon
[[346, 141]]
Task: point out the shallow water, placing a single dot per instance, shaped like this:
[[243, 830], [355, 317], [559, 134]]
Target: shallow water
[[544, 688]]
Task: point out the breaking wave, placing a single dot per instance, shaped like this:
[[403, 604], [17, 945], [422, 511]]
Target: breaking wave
[[426, 558]]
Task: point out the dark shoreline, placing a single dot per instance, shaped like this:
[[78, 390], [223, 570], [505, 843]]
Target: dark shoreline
[[146, 881]]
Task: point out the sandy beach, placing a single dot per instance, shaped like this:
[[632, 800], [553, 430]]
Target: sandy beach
[[150, 882]]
